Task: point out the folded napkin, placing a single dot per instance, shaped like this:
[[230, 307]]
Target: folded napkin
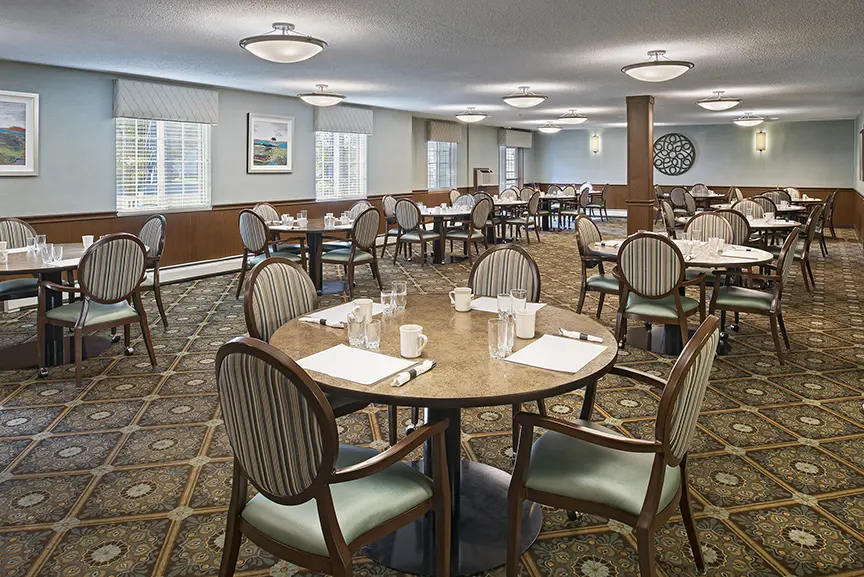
[[579, 336], [406, 376], [324, 322], [612, 243], [17, 250], [66, 262]]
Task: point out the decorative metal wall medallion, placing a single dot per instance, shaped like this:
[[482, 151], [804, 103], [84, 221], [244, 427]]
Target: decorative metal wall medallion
[[673, 154]]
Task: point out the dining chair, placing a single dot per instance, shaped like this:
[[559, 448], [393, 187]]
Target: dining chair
[[676, 196], [776, 196], [829, 218], [15, 232], [454, 194], [598, 204], [794, 194], [570, 208], [389, 204], [152, 234], [358, 208], [318, 501], [473, 231], [568, 190], [739, 299], [269, 213], [734, 195], [585, 186], [702, 227], [699, 189], [525, 193], [584, 466], [604, 283], [509, 194], [109, 278], [651, 271], [668, 218], [754, 208], [529, 220], [801, 253], [340, 242], [553, 189], [499, 270], [256, 245], [766, 203], [739, 224], [465, 201], [659, 197], [658, 191], [689, 204], [411, 230], [364, 233]]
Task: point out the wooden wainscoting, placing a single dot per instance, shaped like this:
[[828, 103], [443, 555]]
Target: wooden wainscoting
[[858, 213]]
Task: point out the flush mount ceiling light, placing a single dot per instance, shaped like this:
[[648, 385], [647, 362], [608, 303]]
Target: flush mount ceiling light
[[572, 117], [660, 69], [550, 128], [749, 119], [524, 98], [471, 114], [321, 96], [283, 45], [719, 101]]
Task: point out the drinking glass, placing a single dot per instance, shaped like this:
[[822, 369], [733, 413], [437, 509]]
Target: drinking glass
[[769, 217], [501, 333], [696, 230], [31, 243], [45, 253], [41, 239], [57, 253], [505, 305], [356, 331], [518, 299], [373, 334], [400, 294], [302, 214], [713, 244], [388, 301]]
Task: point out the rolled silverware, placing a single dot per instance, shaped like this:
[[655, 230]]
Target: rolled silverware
[[323, 322], [579, 336], [413, 373]]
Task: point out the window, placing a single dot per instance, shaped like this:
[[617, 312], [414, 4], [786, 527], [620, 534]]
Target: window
[[441, 164], [340, 165], [161, 165], [511, 164]]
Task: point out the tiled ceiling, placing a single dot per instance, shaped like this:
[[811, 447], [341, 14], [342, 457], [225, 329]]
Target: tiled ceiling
[[792, 59]]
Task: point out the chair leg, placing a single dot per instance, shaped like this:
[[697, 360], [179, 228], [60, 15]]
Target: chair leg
[[514, 530], [396, 252], [689, 525], [804, 275], [351, 281], [231, 546], [783, 330], [384, 248], [581, 300], [620, 329], [392, 423], [145, 330], [685, 331], [645, 546], [810, 273], [127, 339], [775, 334], [79, 356], [40, 343], [600, 304], [242, 274], [516, 408], [376, 273], [157, 293]]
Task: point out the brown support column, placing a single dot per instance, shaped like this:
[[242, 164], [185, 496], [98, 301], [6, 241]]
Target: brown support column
[[640, 163]]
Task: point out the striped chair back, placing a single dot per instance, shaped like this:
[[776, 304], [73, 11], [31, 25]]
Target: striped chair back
[[829, 207], [454, 194], [734, 194], [740, 225], [525, 193], [785, 260], [502, 268], [253, 231], [585, 186], [793, 193], [112, 268], [699, 189], [777, 195], [668, 217], [658, 192], [707, 225], [603, 192], [814, 220], [533, 203], [357, 208], [266, 211], [407, 215], [685, 391], [15, 232], [689, 203], [553, 189], [748, 205], [278, 291], [584, 198], [365, 229], [677, 197], [569, 190], [651, 265], [587, 234], [280, 425], [509, 194], [389, 204], [766, 203], [480, 213], [465, 201], [152, 234]]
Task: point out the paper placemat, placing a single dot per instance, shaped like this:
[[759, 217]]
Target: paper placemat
[[557, 354], [66, 262], [340, 313], [355, 365], [613, 243], [740, 253], [490, 305]]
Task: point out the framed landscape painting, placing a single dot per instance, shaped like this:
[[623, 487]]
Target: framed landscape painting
[[270, 143], [19, 133]]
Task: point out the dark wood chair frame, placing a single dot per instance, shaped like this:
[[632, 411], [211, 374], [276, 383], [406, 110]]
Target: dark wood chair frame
[[23, 294], [814, 219], [339, 563], [420, 229], [528, 217], [470, 226], [599, 206], [265, 249], [351, 265], [650, 519], [590, 260], [152, 262]]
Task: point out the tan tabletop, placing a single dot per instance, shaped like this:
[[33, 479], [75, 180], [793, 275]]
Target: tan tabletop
[[776, 224], [465, 376], [505, 203], [809, 201], [700, 258], [313, 225], [31, 263], [790, 208]]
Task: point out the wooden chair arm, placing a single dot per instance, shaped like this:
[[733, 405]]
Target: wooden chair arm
[[588, 435], [754, 275], [640, 376], [58, 287], [697, 280], [392, 455]]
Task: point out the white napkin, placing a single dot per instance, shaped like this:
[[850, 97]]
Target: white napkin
[[406, 376], [612, 243], [324, 322], [579, 336], [740, 253], [16, 250], [66, 262]]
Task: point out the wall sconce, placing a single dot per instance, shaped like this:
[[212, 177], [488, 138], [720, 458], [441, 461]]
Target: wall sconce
[[595, 143], [761, 141]]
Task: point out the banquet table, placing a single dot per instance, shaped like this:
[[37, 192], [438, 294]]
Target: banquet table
[[707, 199], [465, 377], [792, 208], [314, 232], [439, 217], [548, 199]]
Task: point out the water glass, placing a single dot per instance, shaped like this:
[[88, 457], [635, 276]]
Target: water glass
[[373, 334], [31, 243], [769, 217], [41, 239], [45, 253], [505, 305], [713, 244], [696, 231], [356, 331], [518, 299], [57, 253], [388, 302], [400, 294], [302, 214], [501, 334]]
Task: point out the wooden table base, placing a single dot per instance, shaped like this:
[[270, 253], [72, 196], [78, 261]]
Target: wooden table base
[[26, 355]]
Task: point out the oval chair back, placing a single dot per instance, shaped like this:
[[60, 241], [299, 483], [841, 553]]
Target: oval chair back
[[534, 204], [465, 201], [568, 190], [407, 215], [15, 232], [651, 265], [699, 189], [689, 203], [152, 234], [480, 213], [766, 203], [280, 426], [389, 204], [777, 196], [357, 208], [253, 232], [734, 195], [112, 268], [525, 193], [813, 221], [785, 262], [278, 291], [755, 209], [710, 225], [584, 198], [585, 186], [677, 197], [829, 209], [793, 193], [739, 224], [454, 194], [364, 232], [553, 189], [668, 217], [509, 194], [658, 192], [266, 211], [587, 234], [503, 268]]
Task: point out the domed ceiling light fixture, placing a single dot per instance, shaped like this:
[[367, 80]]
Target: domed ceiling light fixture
[[283, 45], [749, 119], [471, 114], [321, 96], [549, 128], [719, 101], [572, 117], [524, 98], [660, 69]]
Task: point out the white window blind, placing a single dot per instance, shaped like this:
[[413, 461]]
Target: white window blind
[[511, 166], [340, 165], [162, 165], [441, 164]]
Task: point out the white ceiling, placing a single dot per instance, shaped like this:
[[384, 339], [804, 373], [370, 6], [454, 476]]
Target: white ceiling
[[792, 59]]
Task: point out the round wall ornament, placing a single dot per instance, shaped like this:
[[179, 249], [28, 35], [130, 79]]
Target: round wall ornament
[[674, 154]]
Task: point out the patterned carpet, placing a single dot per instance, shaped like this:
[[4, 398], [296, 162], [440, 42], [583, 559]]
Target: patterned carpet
[[129, 474]]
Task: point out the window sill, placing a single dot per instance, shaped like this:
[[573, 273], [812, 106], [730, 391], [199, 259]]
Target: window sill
[[340, 199], [151, 211]]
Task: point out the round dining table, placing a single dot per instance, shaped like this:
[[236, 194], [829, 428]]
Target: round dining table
[[465, 377], [440, 217], [314, 232], [58, 350]]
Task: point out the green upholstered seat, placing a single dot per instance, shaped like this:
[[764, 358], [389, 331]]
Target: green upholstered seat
[[97, 313], [603, 282], [777, 249], [525, 221], [740, 297], [663, 308], [565, 466], [570, 211], [335, 245], [414, 236], [344, 254], [360, 505], [393, 231], [292, 247], [281, 253], [462, 234], [18, 288], [692, 273]]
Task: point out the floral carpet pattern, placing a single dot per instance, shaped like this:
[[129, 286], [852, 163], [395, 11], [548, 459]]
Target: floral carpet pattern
[[129, 474]]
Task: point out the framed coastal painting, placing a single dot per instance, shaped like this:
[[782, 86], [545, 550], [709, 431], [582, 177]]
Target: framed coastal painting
[[19, 134], [270, 143]]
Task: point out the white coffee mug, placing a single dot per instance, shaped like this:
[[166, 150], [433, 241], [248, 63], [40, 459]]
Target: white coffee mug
[[461, 299], [525, 319], [363, 309], [411, 341], [87, 240]]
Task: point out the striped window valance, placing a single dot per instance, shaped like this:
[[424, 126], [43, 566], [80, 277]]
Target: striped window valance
[[157, 101], [343, 119], [515, 138], [438, 131]]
